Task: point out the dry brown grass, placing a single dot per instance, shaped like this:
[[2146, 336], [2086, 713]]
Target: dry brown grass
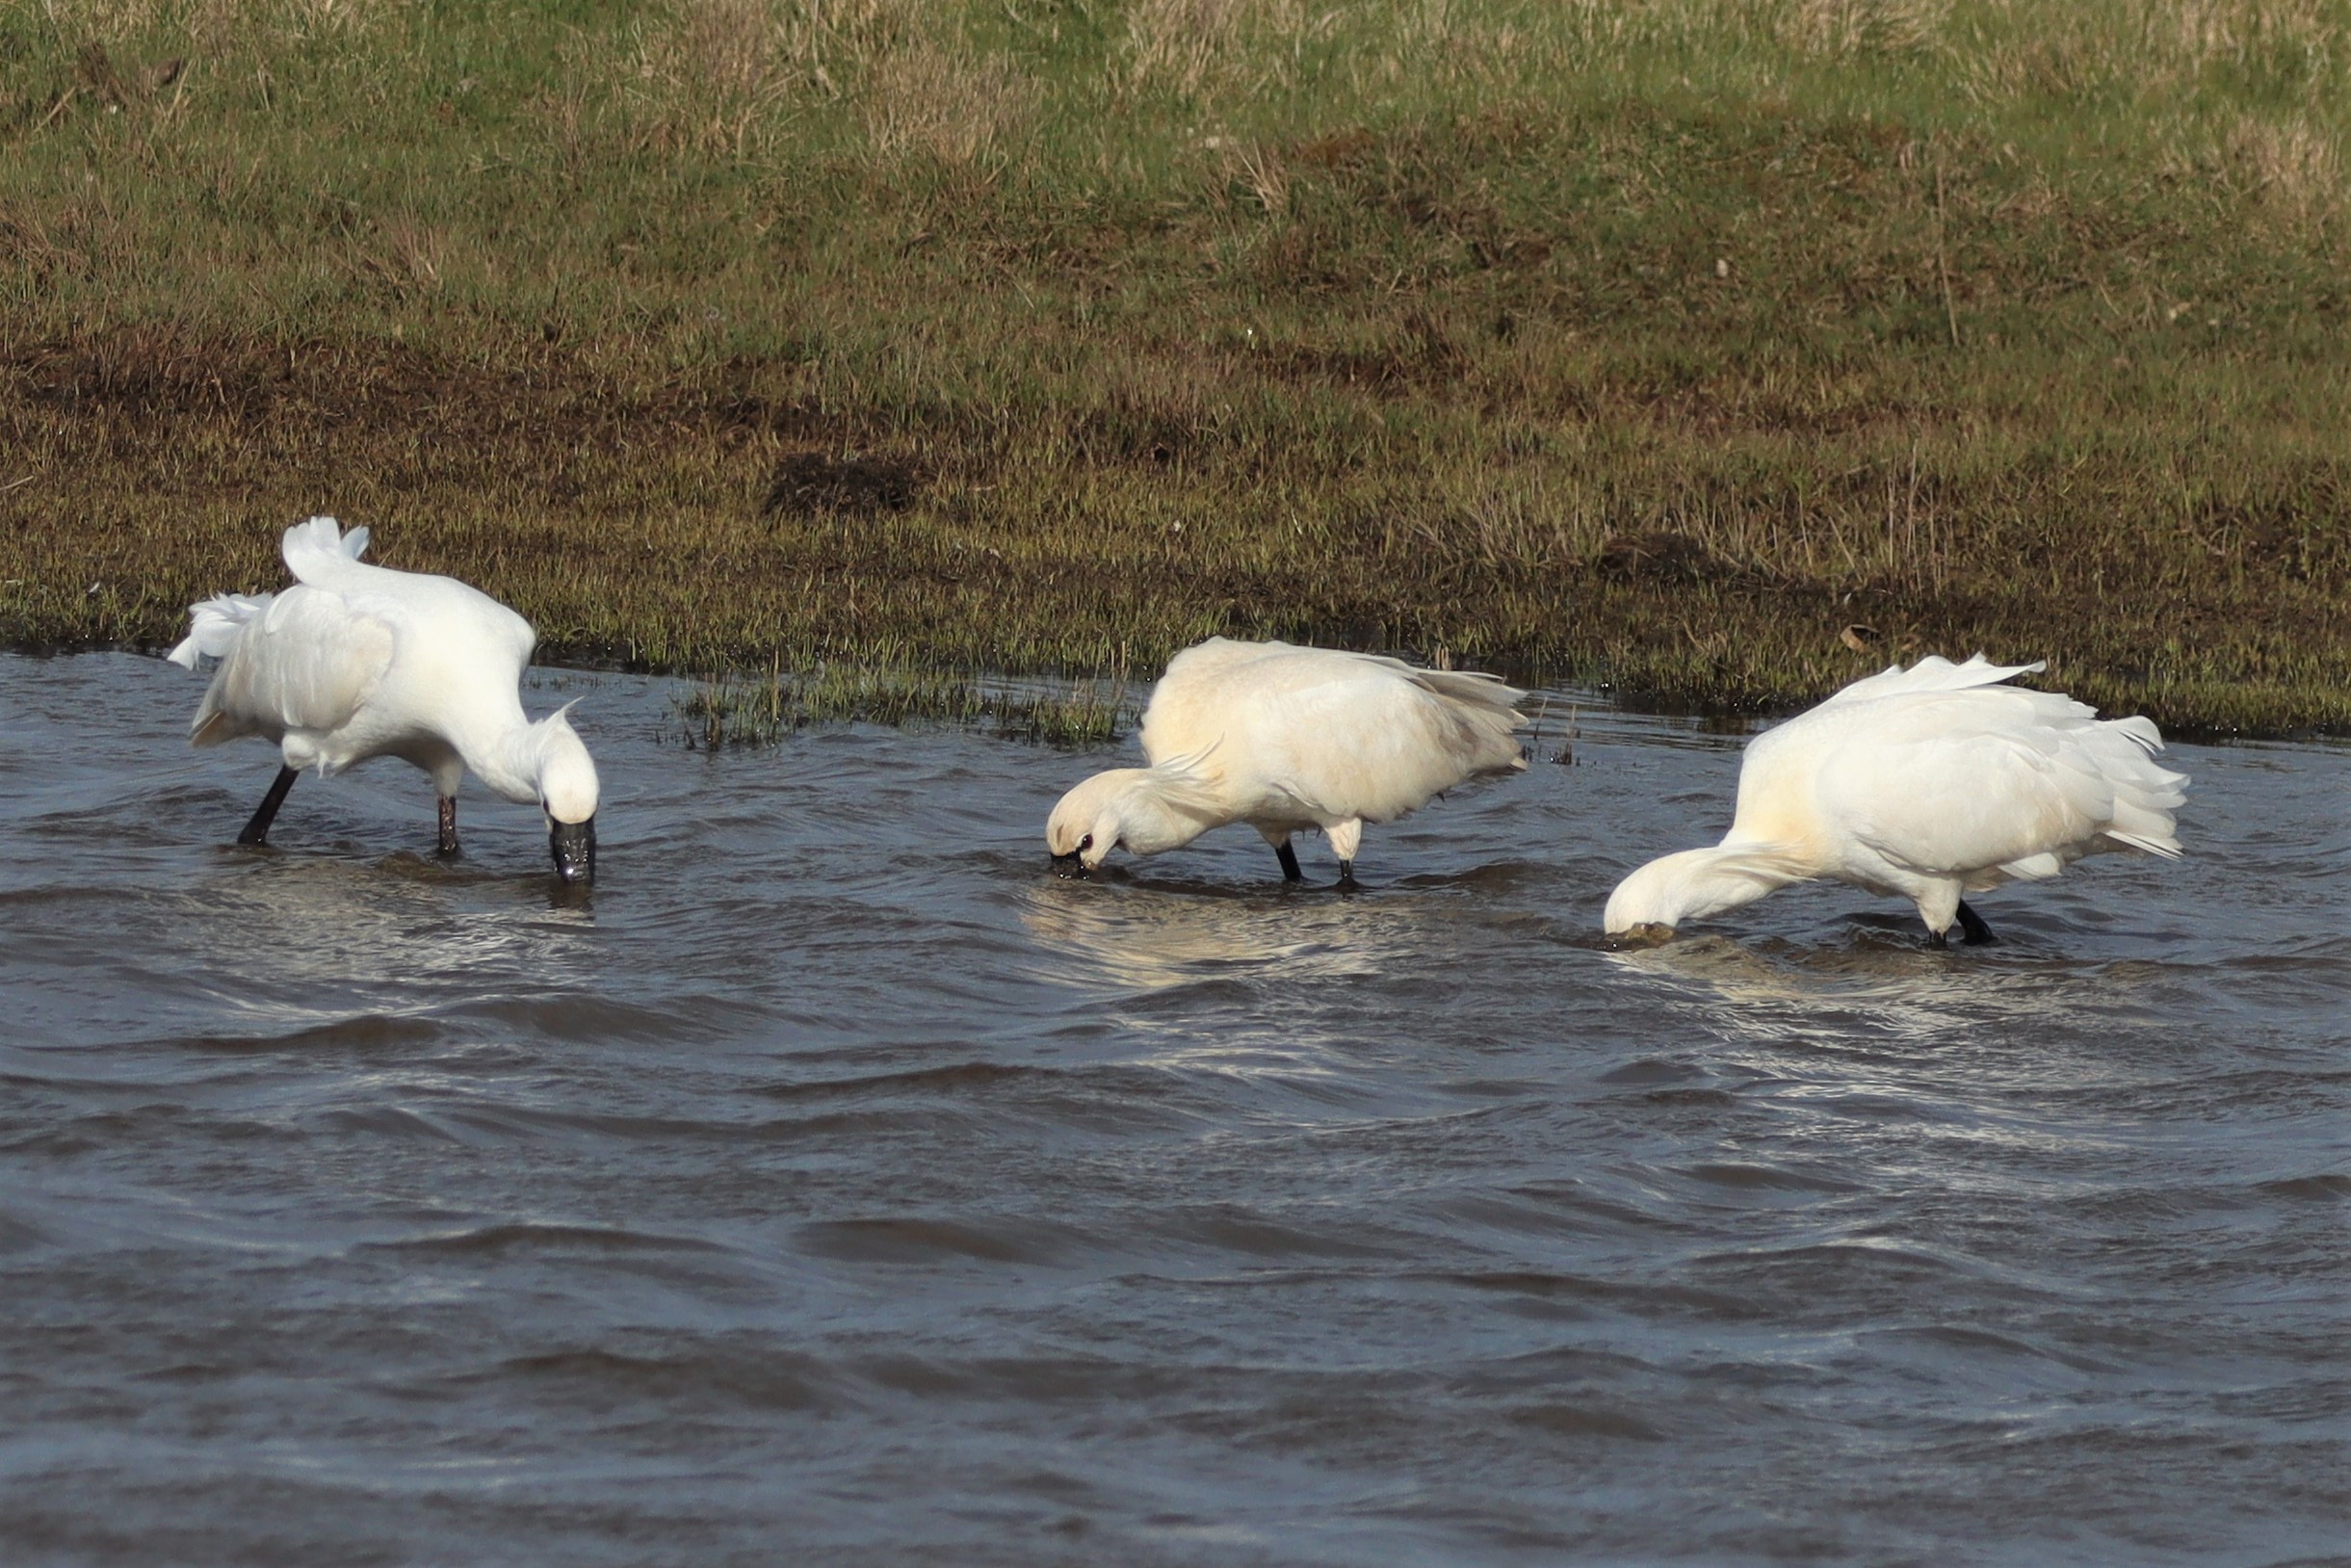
[[219, 26], [1848, 28], [1180, 49], [2293, 167], [712, 70], [924, 100], [2165, 54]]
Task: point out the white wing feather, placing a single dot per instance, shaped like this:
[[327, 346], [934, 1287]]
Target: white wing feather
[[1327, 734], [1932, 674], [301, 659], [213, 626]]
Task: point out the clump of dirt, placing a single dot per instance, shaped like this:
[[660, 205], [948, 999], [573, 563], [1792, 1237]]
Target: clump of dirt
[[811, 482], [1659, 557]]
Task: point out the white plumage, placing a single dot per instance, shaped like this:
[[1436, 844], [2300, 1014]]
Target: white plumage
[[1927, 782], [1288, 739], [357, 660]]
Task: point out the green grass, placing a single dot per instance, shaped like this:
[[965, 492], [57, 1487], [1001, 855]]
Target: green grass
[[736, 709], [1654, 344]]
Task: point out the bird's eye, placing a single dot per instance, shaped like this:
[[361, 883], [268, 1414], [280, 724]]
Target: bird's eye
[[1084, 843]]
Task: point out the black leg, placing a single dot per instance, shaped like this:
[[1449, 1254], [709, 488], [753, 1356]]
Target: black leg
[[1974, 924], [257, 831], [1347, 874], [1938, 940], [448, 825], [1290, 862]]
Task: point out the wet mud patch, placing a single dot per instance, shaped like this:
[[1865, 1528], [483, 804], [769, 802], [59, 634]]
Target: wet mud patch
[[807, 483]]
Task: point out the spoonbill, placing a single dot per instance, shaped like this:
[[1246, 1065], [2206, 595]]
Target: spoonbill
[[1288, 739], [1926, 782], [358, 660]]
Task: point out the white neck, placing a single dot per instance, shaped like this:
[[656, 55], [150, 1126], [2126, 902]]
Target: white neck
[[1162, 813], [1731, 874], [1696, 883], [498, 745], [511, 768]]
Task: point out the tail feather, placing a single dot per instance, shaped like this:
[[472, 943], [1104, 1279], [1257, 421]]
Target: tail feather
[[1471, 690], [213, 626], [2145, 793], [319, 546], [1484, 713], [2142, 815], [2166, 846], [2141, 729]]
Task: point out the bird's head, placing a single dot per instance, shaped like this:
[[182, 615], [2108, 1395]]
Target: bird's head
[[568, 791], [1140, 810], [1088, 822], [1649, 904]]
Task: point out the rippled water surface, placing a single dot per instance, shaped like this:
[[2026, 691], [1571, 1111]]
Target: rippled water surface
[[837, 1185]]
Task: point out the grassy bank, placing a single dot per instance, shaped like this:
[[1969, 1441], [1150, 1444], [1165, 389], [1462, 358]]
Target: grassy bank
[[741, 707], [1680, 345]]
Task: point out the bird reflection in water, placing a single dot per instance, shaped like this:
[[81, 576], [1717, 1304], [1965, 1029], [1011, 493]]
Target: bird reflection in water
[[1152, 936], [304, 937], [1902, 992]]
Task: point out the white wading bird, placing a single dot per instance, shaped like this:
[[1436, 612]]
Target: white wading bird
[[1288, 739], [1926, 782], [357, 660]]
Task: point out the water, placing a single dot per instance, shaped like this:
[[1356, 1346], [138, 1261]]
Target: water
[[837, 1185]]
